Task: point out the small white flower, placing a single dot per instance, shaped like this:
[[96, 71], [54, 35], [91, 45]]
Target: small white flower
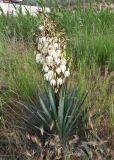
[[53, 82], [63, 68], [55, 39], [45, 68], [46, 44], [41, 27], [42, 40], [39, 46], [46, 77], [52, 53], [67, 73], [50, 74], [49, 47], [44, 50], [39, 58], [49, 52], [58, 70], [59, 81], [49, 59], [42, 60], [50, 40], [63, 61], [59, 52], [55, 45], [57, 61]]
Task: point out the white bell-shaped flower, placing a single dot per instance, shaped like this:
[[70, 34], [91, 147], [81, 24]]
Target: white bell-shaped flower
[[49, 59], [39, 58], [54, 54], [53, 82], [45, 68], [56, 45], [63, 68], [49, 52], [46, 76], [57, 61], [59, 52], [46, 44], [59, 81], [67, 73], [40, 46], [50, 74], [41, 27], [63, 61], [42, 40], [58, 70], [50, 39], [49, 48]]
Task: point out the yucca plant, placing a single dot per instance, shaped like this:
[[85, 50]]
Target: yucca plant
[[64, 118], [54, 125], [58, 115]]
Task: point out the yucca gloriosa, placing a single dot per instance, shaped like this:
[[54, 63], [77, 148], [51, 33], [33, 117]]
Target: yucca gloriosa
[[64, 117], [55, 124]]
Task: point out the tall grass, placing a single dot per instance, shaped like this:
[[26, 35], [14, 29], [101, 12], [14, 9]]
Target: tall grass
[[90, 32], [19, 73], [90, 35], [19, 26]]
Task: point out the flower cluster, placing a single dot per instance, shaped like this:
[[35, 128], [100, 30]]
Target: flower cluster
[[50, 52]]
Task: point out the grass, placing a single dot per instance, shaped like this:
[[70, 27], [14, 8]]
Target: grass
[[20, 27], [22, 75], [90, 33], [90, 45]]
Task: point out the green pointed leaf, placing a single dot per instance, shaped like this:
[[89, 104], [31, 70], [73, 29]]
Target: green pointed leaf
[[61, 111], [70, 105], [45, 108], [52, 101], [44, 120]]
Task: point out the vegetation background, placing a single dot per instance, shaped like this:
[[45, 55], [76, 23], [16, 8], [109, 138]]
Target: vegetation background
[[90, 33]]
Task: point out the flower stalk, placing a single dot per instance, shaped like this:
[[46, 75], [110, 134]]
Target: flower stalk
[[50, 47]]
